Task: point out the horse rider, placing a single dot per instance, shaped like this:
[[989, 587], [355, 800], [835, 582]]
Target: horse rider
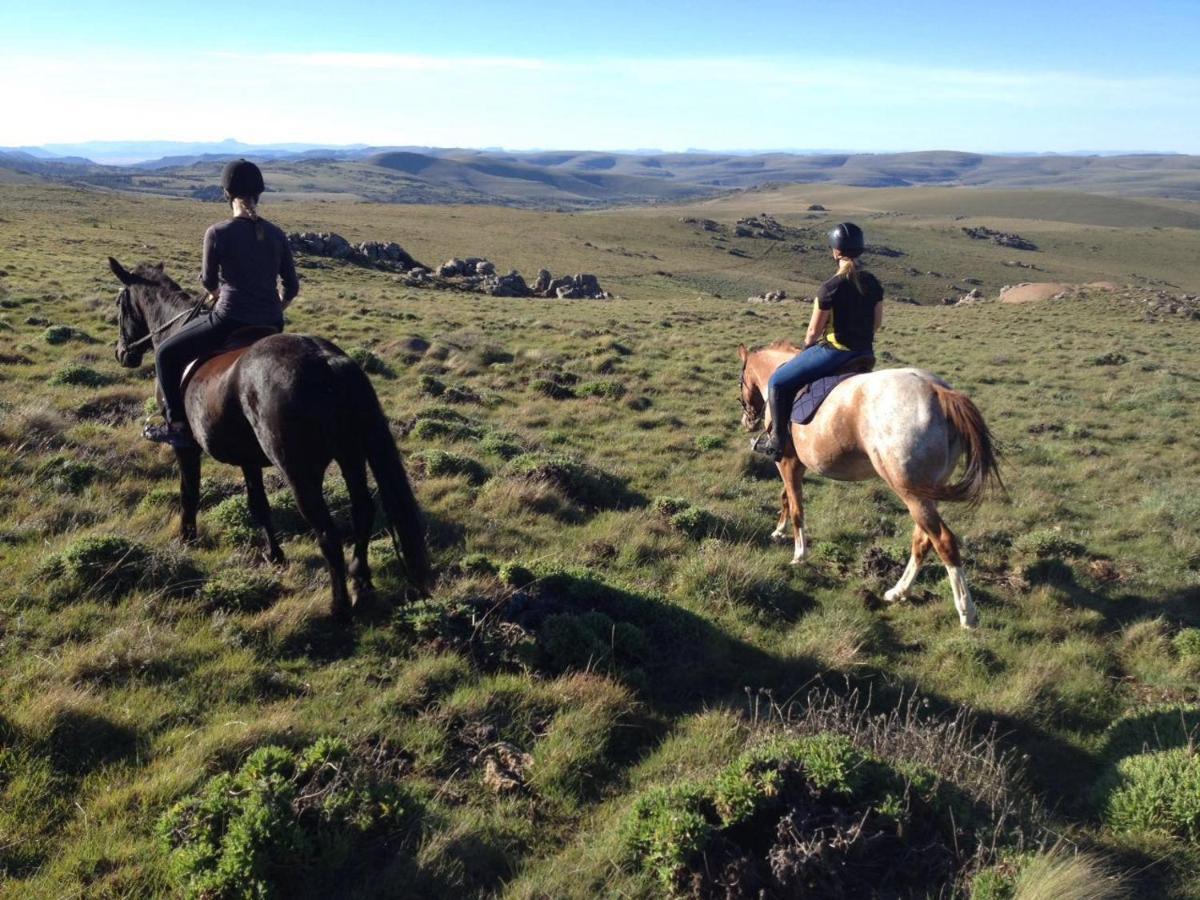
[[847, 313], [244, 259]]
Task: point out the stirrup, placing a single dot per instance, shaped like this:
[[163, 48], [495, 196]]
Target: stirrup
[[765, 444], [164, 434]]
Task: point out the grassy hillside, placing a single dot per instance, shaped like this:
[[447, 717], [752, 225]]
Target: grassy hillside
[[610, 687]]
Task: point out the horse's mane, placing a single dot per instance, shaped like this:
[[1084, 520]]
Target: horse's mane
[[781, 345], [170, 289]]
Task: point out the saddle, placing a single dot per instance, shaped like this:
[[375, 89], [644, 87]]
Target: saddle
[[811, 396], [237, 340]]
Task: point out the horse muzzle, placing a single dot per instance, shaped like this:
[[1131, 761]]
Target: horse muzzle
[[130, 359]]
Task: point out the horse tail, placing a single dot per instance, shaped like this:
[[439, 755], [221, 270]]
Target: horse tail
[[405, 522], [981, 468]]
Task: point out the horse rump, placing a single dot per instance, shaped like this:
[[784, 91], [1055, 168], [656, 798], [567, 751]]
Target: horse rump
[[981, 466]]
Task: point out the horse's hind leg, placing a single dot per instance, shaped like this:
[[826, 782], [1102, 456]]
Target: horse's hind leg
[[362, 512], [920, 546], [785, 516], [306, 486], [260, 512], [925, 514]]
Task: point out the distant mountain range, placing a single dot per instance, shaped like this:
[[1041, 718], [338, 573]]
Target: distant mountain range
[[574, 178]]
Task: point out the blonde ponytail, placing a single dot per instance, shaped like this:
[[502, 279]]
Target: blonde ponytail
[[247, 208], [848, 269]]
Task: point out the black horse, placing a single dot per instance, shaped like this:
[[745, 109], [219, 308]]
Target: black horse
[[288, 400]]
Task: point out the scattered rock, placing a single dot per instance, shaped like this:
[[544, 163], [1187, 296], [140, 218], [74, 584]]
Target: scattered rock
[[387, 255], [816, 207], [702, 224], [771, 297], [761, 226], [1003, 238], [975, 295], [882, 250]]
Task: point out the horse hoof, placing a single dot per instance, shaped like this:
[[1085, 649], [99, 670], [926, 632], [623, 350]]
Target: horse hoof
[[779, 537], [797, 560], [970, 626], [894, 596]]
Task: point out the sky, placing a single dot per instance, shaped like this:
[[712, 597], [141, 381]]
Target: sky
[[1012, 76]]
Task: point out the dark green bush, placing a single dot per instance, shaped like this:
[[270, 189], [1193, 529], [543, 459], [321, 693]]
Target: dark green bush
[[81, 376], [579, 481], [443, 463], [370, 363], [1047, 543], [1156, 792], [515, 575], [502, 443], [477, 563], [286, 824], [695, 522], [111, 566], [240, 590], [552, 389], [609, 390], [1187, 643], [709, 442], [60, 334], [669, 506], [592, 640], [66, 475], [430, 386], [428, 429]]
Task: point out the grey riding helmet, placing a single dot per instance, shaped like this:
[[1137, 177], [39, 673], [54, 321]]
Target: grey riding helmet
[[847, 239]]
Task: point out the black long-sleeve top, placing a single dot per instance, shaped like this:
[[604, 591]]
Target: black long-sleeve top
[[245, 266]]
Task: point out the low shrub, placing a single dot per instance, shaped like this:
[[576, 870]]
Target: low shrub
[[608, 390], [581, 482], [370, 363], [1113, 358], [709, 442], [515, 575], [60, 334], [65, 475], [669, 506], [110, 566], [808, 815], [240, 590], [285, 824], [443, 463], [552, 389], [502, 443], [1148, 729], [1156, 792], [695, 522], [430, 386], [592, 640], [1047, 543], [1187, 644], [80, 376], [477, 564]]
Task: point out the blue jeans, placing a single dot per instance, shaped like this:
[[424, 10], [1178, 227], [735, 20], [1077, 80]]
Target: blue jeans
[[804, 368]]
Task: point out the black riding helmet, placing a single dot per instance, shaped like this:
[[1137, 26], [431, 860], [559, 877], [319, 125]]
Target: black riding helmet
[[242, 178], [847, 239]]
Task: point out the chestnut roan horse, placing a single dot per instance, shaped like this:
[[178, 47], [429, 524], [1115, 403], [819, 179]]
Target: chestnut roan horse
[[291, 401], [905, 426]]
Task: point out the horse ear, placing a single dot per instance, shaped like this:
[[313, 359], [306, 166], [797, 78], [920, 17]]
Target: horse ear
[[743, 352], [159, 266], [126, 278]]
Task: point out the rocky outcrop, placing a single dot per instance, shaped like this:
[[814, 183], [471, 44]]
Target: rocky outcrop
[[379, 254], [472, 273], [702, 224], [1003, 238], [772, 297], [761, 226]]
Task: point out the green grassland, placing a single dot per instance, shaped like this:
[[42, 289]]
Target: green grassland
[[613, 642]]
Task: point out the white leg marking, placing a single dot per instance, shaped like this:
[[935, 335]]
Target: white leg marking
[[962, 598], [900, 591], [780, 532], [801, 547]]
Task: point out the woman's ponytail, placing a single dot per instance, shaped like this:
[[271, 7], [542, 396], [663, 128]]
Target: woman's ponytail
[[247, 207], [848, 269]]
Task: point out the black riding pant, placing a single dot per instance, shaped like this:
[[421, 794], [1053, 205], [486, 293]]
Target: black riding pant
[[200, 337]]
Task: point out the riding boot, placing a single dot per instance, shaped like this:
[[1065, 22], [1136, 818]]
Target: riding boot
[[773, 443]]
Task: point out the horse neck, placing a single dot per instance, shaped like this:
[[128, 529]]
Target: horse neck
[[761, 365], [162, 304]]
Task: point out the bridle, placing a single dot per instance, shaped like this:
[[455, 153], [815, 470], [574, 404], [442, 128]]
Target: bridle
[[747, 410], [187, 315]]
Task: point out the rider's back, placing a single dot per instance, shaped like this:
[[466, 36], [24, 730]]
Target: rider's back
[[246, 266], [852, 314]]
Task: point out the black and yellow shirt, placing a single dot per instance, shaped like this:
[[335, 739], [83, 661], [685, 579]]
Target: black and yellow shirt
[[851, 314]]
